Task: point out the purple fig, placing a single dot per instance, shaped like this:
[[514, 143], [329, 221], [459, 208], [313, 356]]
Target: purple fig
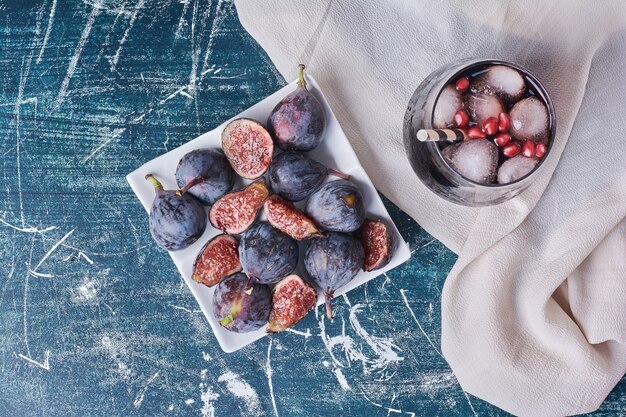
[[294, 175], [239, 311], [205, 174], [176, 220], [267, 255], [332, 261], [298, 120], [337, 206]]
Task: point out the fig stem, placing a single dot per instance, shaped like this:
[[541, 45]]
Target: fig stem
[[154, 181], [301, 80], [338, 174], [231, 316], [197, 180], [249, 286], [329, 308], [349, 199]]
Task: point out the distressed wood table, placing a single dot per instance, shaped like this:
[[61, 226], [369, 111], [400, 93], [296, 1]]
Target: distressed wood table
[[94, 318]]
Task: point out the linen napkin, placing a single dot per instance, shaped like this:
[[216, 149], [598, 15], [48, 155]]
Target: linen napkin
[[534, 310]]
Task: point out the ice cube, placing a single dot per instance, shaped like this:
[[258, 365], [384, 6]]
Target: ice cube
[[448, 103], [515, 168], [504, 81], [529, 120], [448, 152], [483, 106], [476, 159]]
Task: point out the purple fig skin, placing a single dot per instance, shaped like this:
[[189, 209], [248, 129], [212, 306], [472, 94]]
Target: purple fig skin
[[205, 174], [333, 261], [176, 221], [238, 311], [337, 206], [298, 120], [267, 254], [295, 175]]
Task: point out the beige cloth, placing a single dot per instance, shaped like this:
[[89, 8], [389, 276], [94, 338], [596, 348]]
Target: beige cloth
[[534, 311]]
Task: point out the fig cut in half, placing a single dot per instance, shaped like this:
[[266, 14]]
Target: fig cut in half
[[218, 259], [293, 298], [248, 147]]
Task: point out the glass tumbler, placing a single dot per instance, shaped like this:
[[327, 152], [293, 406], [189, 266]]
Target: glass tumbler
[[426, 158]]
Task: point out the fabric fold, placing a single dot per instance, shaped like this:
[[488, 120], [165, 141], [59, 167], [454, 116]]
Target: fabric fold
[[541, 278]]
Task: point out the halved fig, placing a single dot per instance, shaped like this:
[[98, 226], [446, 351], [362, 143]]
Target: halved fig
[[218, 259], [248, 147], [237, 210], [292, 300], [377, 240], [287, 218]]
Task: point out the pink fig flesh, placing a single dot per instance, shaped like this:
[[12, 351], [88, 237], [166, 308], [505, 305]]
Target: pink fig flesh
[[377, 240], [218, 259], [248, 147], [287, 218], [293, 298], [237, 210]]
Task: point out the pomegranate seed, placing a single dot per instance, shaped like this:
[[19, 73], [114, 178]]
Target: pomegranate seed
[[462, 84], [461, 118], [540, 150], [502, 139], [504, 122], [475, 133], [511, 149], [490, 126], [528, 149]]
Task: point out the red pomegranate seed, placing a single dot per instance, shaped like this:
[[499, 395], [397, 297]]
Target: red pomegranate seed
[[504, 122], [540, 150], [528, 149], [475, 133], [490, 126], [462, 84], [511, 149], [461, 118], [502, 139]]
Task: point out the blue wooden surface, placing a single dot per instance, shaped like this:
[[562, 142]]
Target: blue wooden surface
[[94, 318]]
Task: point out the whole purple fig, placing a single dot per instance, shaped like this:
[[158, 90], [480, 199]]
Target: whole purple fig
[[205, 174], [332, 261], [177, 220], [298, 120], [239, 310]]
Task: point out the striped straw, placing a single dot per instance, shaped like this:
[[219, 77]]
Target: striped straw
[[440, 135]]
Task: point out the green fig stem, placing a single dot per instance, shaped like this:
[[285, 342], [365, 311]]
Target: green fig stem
[[154, 181], [301, 80], [197, 180], [329, 308], [338, 174], [231, 316]]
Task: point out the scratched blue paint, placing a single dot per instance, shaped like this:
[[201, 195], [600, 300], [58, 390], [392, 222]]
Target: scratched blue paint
[[101, 323]]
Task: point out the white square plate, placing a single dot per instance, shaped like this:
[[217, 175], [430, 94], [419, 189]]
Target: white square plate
[[335, 152]]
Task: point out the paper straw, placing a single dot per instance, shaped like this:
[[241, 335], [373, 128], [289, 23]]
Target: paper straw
[[441, 135]]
